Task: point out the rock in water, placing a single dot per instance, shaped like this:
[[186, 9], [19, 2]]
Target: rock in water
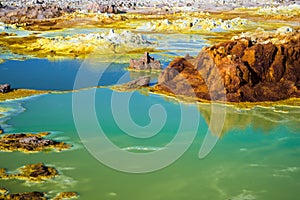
[[5, 88], [140, 82], [264, 69], [30, 143], [4, 194], [134, 84], [145, 63], [66, 195]]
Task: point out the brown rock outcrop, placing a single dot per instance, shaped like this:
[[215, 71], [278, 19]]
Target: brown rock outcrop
[[239, 70]]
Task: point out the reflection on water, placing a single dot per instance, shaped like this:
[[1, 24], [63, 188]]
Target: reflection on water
[[259, 118]]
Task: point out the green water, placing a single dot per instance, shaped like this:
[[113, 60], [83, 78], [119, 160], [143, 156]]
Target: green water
[[256, 158]]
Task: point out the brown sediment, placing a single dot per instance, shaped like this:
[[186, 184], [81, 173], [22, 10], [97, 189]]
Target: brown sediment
[[30, 143], [21, 93]]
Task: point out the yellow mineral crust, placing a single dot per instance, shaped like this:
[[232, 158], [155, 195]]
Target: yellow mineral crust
[[20, 93], [79, 45]]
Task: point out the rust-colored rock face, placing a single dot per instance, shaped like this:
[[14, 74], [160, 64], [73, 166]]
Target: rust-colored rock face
[[240, 70]]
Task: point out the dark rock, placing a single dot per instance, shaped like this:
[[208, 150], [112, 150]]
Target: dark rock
[[40, 1], [112, 9], [243, 70], [5, 88], [145, 63]]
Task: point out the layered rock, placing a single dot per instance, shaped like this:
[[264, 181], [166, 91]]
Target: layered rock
[[145, 63], [243, 69]]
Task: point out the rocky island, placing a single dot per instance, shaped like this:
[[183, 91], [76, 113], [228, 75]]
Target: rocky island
[[253, 67]]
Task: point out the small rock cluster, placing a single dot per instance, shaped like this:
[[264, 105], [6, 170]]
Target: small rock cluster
[[97, 7], [145, 63]]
